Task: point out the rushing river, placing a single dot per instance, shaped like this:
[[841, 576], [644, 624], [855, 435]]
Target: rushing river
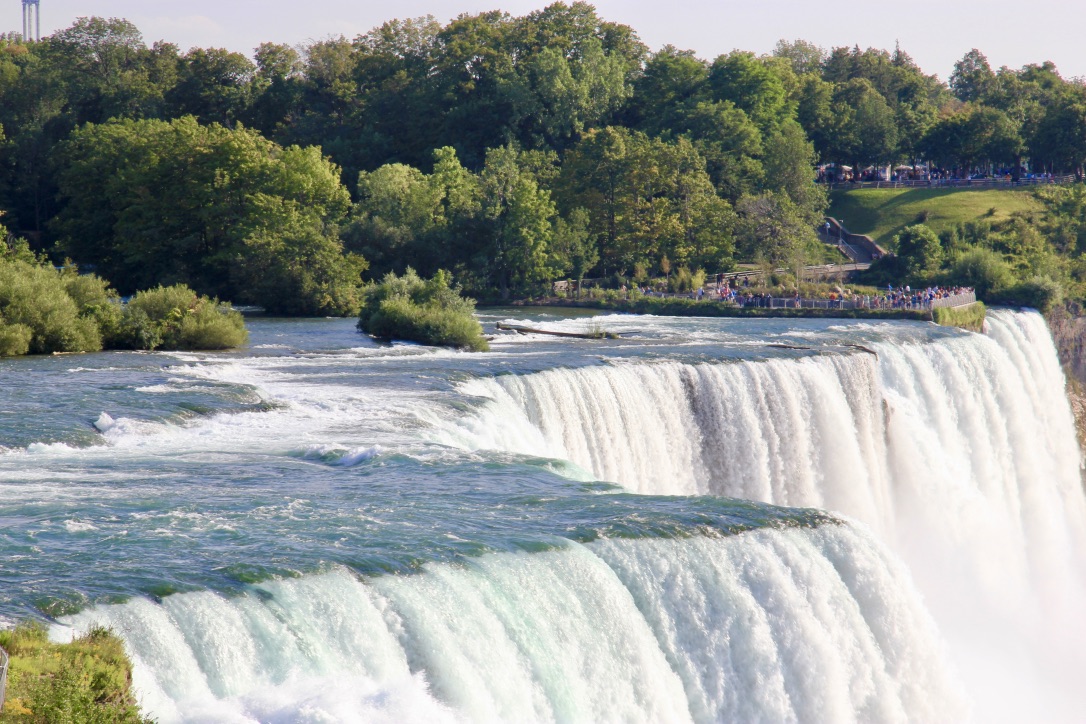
[[704, 520]]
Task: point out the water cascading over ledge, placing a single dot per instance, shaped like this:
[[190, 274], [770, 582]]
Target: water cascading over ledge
[[959, 453], [798, 624]]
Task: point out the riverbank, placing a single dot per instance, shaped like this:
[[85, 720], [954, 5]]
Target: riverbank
[[89, 679], [969, 317]]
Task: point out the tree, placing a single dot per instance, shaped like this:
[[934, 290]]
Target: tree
[[789, 162], [516, 216], [672, 82], [972, 77], [215, 86], [919, 251], [805, 57], [244, 219], [573, 247], [1060, 139], [771, 228], [865, 128], [750, 84]]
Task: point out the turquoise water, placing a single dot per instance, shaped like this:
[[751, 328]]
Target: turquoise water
[[226, 468], [526, 534]]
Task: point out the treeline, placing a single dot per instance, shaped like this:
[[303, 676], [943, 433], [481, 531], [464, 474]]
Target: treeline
[[46, 310], [509, 150]]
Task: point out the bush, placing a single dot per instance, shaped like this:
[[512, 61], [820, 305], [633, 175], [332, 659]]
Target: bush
[[176, 318], [1041, 293], [419, 310], [983, 269], [88, 680], [15, 339], [34, 296]]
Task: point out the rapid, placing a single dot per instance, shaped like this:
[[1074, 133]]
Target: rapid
[[704, 520]]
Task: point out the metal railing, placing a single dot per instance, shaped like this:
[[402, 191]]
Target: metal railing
[[854, 302], [3, 676], [951, 183]]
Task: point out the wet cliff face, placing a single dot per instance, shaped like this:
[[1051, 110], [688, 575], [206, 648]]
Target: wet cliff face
[[1069, 333]]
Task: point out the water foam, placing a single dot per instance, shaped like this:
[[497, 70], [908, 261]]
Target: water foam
[[795, 624], [960, 453]]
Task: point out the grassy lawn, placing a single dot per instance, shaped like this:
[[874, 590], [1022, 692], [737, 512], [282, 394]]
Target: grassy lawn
[[882, 213]]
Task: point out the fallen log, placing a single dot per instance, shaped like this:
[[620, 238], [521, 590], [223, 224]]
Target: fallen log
[[578, 335]]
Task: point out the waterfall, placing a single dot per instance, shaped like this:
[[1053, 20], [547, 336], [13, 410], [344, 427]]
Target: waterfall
[[959, 453], [796, 624]]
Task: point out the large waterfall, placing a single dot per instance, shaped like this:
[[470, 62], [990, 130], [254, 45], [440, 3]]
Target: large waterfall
[[394, 534], [960, 454], [780, 625]]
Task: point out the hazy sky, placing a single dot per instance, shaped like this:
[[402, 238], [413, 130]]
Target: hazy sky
[[934, 32]]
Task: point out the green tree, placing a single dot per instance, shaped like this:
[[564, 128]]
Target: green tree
[[919, 251], [752, 85], [573, 247], [770, 228], [517, 222], [240, 212], [972, 78]]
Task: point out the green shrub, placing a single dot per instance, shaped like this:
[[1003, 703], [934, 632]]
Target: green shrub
[[983, 269], [419, 310], [85, 682], [1041, 293], [15, 339], [176, 318], [34, 296]]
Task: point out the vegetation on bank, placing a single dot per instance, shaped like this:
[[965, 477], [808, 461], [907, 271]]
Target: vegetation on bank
[[430, 311], [1033, 258], [970, 317], [88, 681], [884, 213], [44, 310], [511, 150]]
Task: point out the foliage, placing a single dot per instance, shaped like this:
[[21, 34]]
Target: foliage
[[428, 311], [514, 150], [970, 317], [44, 310], [983, 269], [243, 218], [919, 251], [86, 681], [38, 316], [176, 318]]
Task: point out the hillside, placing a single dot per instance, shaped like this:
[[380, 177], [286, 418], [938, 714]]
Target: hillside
[[882, 213]]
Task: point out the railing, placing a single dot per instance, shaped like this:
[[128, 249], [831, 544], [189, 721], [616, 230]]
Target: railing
[[855, 302], [3, 676], [951, 183]]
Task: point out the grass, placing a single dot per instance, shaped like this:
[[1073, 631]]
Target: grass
[[971, 317], [84, 682], [882, 213]]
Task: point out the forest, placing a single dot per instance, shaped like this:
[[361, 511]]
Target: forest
[[510, 151]]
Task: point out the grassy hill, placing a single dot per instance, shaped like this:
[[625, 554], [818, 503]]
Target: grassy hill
[[882, 213]]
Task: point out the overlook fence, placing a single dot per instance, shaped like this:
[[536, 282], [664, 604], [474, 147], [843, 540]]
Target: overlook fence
[[855, 302], [951, 183]]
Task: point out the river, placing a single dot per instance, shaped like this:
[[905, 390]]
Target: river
[[703, 520]]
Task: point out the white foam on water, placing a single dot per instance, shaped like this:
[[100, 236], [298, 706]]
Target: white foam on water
[[959, 453], [772, 625]]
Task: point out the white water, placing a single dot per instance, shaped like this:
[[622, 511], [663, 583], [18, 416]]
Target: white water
[[793, 625], [960, 454]]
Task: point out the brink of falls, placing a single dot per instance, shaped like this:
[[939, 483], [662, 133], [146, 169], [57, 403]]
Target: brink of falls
[[705, 520]]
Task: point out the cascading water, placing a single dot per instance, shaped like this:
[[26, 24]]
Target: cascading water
[[780, 625], [961, 455], [322, 529]]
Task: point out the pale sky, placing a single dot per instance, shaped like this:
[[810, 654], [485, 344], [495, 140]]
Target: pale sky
[[935, 32]]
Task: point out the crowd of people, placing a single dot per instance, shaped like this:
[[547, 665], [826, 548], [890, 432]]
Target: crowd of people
[[740, 294]]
